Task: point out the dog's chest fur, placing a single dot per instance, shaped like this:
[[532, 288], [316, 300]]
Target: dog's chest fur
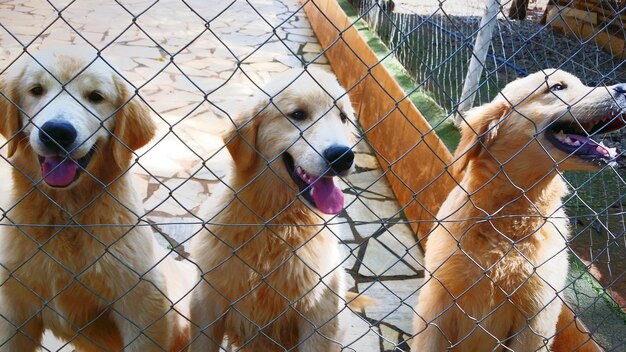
[[519, 251], [72, 261], [278, 268], [276, 273]]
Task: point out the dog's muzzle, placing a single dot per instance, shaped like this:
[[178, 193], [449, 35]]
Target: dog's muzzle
[[59, 169], [339, 158], [320, 190]]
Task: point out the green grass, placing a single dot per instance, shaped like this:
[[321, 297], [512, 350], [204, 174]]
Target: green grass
[[597, 190], [595, 307], [428, 107]]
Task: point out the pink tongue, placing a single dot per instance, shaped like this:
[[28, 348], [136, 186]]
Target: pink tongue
[[58, 171], [328, 197]]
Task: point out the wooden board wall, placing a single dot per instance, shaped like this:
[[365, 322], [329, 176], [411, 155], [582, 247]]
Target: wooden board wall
[[408, 149]]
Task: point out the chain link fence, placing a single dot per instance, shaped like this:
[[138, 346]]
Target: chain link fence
[[170, 182]]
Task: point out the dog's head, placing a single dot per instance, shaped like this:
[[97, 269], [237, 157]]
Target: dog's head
[[69, 108], [545, 119], [302, 128]]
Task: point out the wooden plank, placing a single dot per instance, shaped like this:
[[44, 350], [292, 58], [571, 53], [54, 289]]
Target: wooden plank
[[608, 42], [586, 16], [575, 12], [604, 16], [585, 31], [406, 145]]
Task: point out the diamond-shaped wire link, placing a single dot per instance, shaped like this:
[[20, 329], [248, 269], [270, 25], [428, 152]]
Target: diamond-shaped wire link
[[201, 68]]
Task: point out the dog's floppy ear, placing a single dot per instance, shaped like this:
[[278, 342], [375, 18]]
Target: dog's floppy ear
[[241, 140], [479, 127], [9, 115], [134, 126]]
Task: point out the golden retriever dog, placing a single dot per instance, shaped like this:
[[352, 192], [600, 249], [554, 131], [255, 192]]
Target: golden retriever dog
[[72, 259], [276, 282], [498, 256]]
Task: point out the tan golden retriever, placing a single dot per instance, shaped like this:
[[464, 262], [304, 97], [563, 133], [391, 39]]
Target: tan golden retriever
[[498, 257], [277, 282], [72, 260]]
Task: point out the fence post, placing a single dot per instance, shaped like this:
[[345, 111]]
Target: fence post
[[479, 54]]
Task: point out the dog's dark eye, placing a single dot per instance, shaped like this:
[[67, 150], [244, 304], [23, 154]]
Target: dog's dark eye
[[95, 97], [36, 91], [557, 86], [298, 115], [343, 117]]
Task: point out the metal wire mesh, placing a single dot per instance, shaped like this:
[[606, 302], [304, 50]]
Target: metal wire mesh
[[211, 236]]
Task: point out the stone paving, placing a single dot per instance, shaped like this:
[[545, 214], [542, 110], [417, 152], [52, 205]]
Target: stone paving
[[195, 76]]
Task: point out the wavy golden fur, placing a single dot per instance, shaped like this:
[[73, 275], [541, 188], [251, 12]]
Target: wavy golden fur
[[76, 264], [498, 257], [275, 283]]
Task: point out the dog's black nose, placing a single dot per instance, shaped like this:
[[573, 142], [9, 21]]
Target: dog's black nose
[[340, 158], [57, 135], [620, 88]]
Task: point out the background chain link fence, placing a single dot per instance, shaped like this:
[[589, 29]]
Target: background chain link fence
[[197, 65]]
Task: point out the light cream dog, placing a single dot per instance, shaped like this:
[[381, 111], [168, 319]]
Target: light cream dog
[[272, 276], [498, 257], [72, 259]]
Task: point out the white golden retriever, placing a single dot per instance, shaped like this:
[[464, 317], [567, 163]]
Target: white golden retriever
[[498, 257], [276, 281], [72, 259]]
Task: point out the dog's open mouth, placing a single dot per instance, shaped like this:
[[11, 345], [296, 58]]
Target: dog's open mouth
[[320, 191], [61, 170], [575, 138]]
